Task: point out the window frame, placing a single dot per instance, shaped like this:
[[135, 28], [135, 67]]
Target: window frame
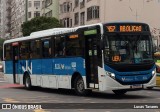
[[40, 48], [10, 52], [37, 4], [28, 50], [50, 46]]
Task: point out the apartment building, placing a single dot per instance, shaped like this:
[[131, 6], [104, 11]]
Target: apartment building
[[133, 10], [34, 9], [18, 16], [79, 12], [50, 8], [5, 18], [23, 10], [8, 19]]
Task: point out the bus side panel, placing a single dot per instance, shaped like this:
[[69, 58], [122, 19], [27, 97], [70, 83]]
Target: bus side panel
[[33, 68], [36, 68], [53, 73], [47, 66], [47, 70], [67, 66], [8, 73], [64, 68], [8, 67], [21, 66], [20, 69], [19, 72]]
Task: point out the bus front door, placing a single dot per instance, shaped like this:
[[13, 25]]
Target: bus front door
[[15, 64], [91, 61]]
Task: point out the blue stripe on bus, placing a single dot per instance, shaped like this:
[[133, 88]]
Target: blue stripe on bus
[[109, 69], [56, 66], [8, 67], [136, 76]]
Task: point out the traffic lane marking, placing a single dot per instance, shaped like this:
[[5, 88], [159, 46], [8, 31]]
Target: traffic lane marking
[[10, 100], [41, 110], [38, 99]]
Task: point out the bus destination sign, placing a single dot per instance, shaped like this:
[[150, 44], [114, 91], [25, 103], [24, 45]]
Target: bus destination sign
[[130, 28], [124, 28]]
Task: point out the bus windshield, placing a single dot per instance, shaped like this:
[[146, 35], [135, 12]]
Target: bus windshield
[[128, 49]]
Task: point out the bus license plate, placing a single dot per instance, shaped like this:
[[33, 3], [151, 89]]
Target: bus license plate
[[136, 86]]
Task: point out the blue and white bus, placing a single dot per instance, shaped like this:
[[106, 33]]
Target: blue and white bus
[[111, 56]]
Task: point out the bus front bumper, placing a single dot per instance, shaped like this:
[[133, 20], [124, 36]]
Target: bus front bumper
[[108, 83]]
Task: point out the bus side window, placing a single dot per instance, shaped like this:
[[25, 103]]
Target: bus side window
[[46, 48], [35, 49], [59, 46], [8, 52], [24, 50], [74, 47]]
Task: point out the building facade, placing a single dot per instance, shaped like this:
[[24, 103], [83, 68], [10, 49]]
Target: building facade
[[18, 16], [8, 19], [5, 18], [50, 8], [34, 9], [93, 11], [23, 10], [146, 11], [79, 12], [15, 12]]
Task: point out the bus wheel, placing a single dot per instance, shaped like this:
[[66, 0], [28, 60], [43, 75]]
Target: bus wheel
[[79, 87], [27, 83], [119, 92]]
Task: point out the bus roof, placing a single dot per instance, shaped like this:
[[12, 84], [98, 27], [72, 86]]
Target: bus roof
[[49, 32], [46, 31], [57, 31], [40, 34]]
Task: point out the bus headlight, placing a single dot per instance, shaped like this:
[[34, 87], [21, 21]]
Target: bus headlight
[[112, 75], [153, 73]]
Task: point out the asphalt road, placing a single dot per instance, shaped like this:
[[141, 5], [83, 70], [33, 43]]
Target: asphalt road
[[17, 94]]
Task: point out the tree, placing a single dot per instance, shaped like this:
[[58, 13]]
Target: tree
[[38, 24]]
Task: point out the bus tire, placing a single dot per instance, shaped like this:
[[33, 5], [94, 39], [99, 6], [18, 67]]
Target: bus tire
[[27, 82], [119, 92], [79, 87]]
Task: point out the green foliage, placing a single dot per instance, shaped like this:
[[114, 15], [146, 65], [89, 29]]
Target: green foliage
[[38, 24]]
